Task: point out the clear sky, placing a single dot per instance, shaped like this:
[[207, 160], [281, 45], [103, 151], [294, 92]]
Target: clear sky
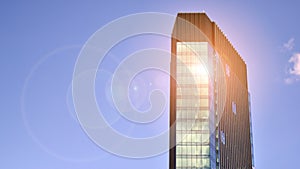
[[40, 42]]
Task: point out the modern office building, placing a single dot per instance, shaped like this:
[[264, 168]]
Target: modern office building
[[210, 121]]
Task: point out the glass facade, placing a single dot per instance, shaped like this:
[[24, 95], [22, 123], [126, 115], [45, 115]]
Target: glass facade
[[251, 133], [192, 106]]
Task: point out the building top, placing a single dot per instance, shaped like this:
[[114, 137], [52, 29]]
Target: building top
[[197, 27]]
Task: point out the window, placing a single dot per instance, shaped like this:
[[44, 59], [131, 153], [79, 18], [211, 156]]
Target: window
[[223, 138], [234, 107], [227, 70]]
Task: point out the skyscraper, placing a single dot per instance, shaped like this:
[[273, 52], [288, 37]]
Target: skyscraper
[[210, 122]]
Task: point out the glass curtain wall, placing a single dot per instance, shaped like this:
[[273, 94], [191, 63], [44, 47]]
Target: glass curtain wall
[[192, 106]]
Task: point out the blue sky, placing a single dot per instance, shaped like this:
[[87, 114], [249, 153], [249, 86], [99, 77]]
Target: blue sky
[[40, 42]]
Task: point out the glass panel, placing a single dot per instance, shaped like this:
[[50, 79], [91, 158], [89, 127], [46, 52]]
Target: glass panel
[[192, 106], [204, 102]]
